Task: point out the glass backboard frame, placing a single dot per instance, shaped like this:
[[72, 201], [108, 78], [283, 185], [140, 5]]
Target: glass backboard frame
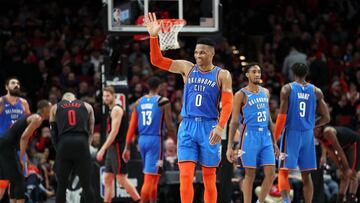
[[187, 29]]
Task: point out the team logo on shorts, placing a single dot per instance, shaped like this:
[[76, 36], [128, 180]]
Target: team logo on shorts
[[240, 153], [283, 155]]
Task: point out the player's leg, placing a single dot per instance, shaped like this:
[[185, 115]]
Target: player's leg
[[146, 187], [353, 187], [267, 160], [209, 158], [154, 189], [17, 182], [188, 153], [308, 188], [307, 163], [63, 170], [129, 187], [187, 170], [284, 185], [247, 187], [290, 144], [82, 168], [109, 186]]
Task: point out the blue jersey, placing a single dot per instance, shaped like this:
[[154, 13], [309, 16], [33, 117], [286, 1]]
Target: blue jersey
[[150, 116], [201, 94], [256, 110], [302, 107], [10, 114]]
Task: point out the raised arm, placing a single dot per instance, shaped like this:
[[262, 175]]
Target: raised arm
[[91, 121], [323, 109], [182, 67], [284, 105]]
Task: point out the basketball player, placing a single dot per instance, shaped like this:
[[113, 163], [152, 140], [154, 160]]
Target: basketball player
[[257, 145], [114, 164], [200, 131], [15, 138], [148, 116], [12, 108], [341, 144], [298, 103], [72, 125]]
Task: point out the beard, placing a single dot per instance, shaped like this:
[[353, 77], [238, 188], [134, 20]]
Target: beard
[[15, 92]]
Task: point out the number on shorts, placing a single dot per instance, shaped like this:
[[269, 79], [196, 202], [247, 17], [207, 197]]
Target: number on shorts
[[146, 115], [302, 107], [198, 100], [72, 117]]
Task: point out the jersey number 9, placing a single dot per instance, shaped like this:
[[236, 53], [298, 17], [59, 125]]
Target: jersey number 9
[[302, 108]]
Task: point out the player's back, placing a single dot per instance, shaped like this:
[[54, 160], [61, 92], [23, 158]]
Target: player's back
[[201, 94], [10, 114], [150, 116], [12, 135], [302, 107], [256, 110], [72, 117]]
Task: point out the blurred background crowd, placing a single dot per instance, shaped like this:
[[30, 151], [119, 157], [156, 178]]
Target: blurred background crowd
[[54, 46]]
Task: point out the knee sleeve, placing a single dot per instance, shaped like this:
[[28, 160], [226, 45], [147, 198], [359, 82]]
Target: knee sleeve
[[187, 170], [284, 180], [209, 177], [146, 189]]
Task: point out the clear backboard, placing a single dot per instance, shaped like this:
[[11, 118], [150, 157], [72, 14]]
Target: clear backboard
[[127, 16]]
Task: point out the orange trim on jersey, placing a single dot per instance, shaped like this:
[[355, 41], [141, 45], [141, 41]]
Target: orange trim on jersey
[[186, 161]]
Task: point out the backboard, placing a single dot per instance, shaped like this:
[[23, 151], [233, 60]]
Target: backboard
[[127, 16]]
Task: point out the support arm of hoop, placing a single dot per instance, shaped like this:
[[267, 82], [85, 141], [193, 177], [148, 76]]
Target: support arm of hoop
[[156, 57]]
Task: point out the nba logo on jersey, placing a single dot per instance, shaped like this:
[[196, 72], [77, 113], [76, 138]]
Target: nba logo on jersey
[[120, 99]]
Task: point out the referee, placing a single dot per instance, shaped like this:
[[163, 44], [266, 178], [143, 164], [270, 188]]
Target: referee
[[72, 125]]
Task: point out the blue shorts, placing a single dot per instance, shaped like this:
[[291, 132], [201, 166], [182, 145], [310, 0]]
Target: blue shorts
[[151, 152], [298, 150], [256, 147], [193, 142]]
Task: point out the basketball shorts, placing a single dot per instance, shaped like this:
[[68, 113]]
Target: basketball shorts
[[256, 148], [298, 150], [151, 153], [113, 160], [352, 155], [194, 142]]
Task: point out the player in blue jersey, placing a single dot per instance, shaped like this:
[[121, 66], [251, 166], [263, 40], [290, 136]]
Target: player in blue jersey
[[257, 144], [12, 108], [200, 131], [299, 101], [148, 117]]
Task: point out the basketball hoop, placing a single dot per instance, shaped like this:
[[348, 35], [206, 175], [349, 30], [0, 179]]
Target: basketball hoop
[[169, 31]]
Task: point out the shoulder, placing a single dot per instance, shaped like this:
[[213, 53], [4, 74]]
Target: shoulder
[[319, 94], [286, 89], [224, 74], [239, 95], [88, 106], [266, 91], [34, 118], [117, 110]]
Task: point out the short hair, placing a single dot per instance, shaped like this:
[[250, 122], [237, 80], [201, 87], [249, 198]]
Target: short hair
[[7, 81], [249, 65], [109, 89], [300, 69], [206, 41], [42, 104], [154, 82], [68, 95]]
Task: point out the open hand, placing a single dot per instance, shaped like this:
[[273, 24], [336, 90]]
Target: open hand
[[153, 26], [215, 136]]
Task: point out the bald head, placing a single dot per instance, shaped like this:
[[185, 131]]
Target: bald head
[[69, 96]]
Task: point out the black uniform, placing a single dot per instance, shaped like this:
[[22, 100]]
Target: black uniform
[[10, 167], [113, 160], [349, 140], [73, 154]]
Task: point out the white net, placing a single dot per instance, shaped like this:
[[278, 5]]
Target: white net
[[168, 35]]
